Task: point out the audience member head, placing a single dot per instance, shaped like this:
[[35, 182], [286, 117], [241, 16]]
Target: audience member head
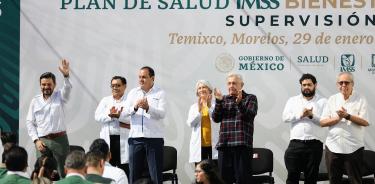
[[9, 137], [206, 172], [16, 159], [75, 163], [101, 146], [6, 147], [46, 166], [95, 162]]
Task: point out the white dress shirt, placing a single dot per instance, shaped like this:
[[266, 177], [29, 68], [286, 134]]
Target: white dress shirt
[[194, 121], [111, 126], [115, 173], [146, 124], [345, 136], [304, 128], [47, 116]]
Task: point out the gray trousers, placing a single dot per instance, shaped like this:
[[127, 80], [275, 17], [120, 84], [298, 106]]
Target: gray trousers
[[60, 149]]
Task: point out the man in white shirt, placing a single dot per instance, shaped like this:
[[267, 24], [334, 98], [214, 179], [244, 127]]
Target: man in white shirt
[[114, 130], [146, 107], [305, 149], [46, 116], [114, 173], [346, 116]]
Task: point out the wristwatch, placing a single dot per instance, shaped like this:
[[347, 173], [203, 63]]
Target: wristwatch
[[348, 117]]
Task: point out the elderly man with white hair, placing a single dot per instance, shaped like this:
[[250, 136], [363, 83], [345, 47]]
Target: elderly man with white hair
[[346, 116], [204, 132], [236, 112]]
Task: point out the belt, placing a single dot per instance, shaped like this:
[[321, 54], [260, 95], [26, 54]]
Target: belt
[[305, 141], [54, 135]]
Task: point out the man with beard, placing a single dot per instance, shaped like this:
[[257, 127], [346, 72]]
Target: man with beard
[[45, 119], [236, 112], [305, 149], [346, 115]]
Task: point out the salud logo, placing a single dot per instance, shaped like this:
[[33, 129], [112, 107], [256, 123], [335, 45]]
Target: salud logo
[[347, 63]]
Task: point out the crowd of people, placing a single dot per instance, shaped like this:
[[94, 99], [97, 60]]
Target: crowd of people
[[221, 145]]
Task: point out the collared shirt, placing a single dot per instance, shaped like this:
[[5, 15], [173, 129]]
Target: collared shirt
[[19, 173], [345, 136], [75, 174], [115, 173], [47, 116], [146, 124], [237, 120], [103, 109], [304, 128]]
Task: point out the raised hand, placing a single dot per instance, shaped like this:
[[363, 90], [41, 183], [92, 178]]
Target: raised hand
[[64, 68], [218, 95]]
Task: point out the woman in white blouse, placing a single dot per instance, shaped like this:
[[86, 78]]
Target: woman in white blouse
[[205, 132]]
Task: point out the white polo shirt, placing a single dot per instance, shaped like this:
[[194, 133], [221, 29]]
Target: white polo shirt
[[345, 136]]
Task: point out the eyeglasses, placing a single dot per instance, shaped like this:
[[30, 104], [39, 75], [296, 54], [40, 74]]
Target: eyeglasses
[[344, 82], [115, 85]]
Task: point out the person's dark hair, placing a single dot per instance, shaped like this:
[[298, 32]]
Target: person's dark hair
[[46, 165], [151, 71], [307, 76], [47, 75], [211, 171], [9, 137], [122, 79], [75, 160], [6, 148], [16, 159], [101, 146], [94, 157]]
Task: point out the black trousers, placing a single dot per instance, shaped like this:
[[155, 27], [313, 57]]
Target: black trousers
[[206, 153], [351, 163], [235, 164], [116, 154], [303, 156]]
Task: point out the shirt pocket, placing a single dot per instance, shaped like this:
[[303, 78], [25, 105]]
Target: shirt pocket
[[153, 101], [38, 116]]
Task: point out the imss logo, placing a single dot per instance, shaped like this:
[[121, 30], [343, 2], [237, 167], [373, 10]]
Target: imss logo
[[347, 63]]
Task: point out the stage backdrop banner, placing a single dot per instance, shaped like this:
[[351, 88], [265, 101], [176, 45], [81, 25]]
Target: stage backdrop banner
[[270, 42], [9, 58]]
